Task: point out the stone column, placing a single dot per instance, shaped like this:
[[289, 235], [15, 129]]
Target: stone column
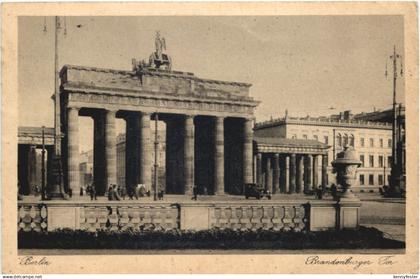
[[292, 177], [110, 149], [286, 173], [32, 179], [276, 174], [268, 173], [308, 173], [259, 168], [189, 155], [247, 152], [219, 157], [145, 152], [99, 161], [299, 179], [324, 176], [315, 172], [49, 161], [73, 149], [132, 150]]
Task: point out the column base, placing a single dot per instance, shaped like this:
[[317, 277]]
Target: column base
[[188, 193]]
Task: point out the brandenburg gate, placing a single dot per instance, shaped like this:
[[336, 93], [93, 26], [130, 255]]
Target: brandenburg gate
[[208, 126]]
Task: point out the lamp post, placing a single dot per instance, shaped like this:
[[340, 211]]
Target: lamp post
[[43, 165], [155, 177], [395, 167]]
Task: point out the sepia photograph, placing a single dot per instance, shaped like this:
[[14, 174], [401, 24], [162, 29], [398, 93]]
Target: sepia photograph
[[181, 135]]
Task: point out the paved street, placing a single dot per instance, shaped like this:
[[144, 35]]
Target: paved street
[[387, 215]]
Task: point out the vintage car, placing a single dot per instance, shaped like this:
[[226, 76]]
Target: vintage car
[[256, 191]]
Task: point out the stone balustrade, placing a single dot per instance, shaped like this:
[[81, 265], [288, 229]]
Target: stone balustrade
[[296, 215], [254, 217], [122, 217], [32, 217]]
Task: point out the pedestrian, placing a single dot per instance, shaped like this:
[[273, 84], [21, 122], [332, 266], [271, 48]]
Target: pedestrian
[[115, 194], [334, 191], [110, 193], [319, 192], [123, 192], [20, 197], [70, 192], [130, 192], [92, 191], [81, 191], [195, 193], [36, 190]]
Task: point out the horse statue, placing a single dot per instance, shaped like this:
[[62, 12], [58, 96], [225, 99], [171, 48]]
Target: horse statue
[[157, 59], [156, 62]]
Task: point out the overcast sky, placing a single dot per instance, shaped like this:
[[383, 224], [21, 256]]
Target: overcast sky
[[306, 64]]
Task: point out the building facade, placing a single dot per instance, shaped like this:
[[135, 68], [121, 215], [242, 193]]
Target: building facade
[[372, 140]]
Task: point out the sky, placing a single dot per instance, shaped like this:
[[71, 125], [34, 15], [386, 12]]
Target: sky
[[309, 65]]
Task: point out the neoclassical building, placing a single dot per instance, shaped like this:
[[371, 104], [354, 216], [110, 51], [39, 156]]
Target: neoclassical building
[[208, 127], [372, 140], [290, 166], [29, 157]]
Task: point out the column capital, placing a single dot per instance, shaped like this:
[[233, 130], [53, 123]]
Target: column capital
[[72, 107], [111, 111], [219, 118], [190, 116]]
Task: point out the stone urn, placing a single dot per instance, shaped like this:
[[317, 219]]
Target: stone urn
[[345, 166]]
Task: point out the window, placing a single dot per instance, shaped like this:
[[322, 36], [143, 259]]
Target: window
[[326, 139], [381, 143], [389, 161], [380, 179], [389, 143], [345, 140], [371, 161], [362, 159], [339, 143], [362, 179], [316, 137], [371, 142], [351, 140], [380, 162], [362, 142], [370, 179], [305, 136]]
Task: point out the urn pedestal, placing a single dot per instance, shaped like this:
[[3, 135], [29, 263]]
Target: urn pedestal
[[345, 166]]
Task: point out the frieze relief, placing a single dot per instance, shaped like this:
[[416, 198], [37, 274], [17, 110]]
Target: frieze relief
[[138, 101]]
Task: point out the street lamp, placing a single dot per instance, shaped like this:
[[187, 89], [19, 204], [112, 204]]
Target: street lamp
[[43, 165], [156, 158]]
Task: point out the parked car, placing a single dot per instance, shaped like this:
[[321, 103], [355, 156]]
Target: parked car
[[256, 191]]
